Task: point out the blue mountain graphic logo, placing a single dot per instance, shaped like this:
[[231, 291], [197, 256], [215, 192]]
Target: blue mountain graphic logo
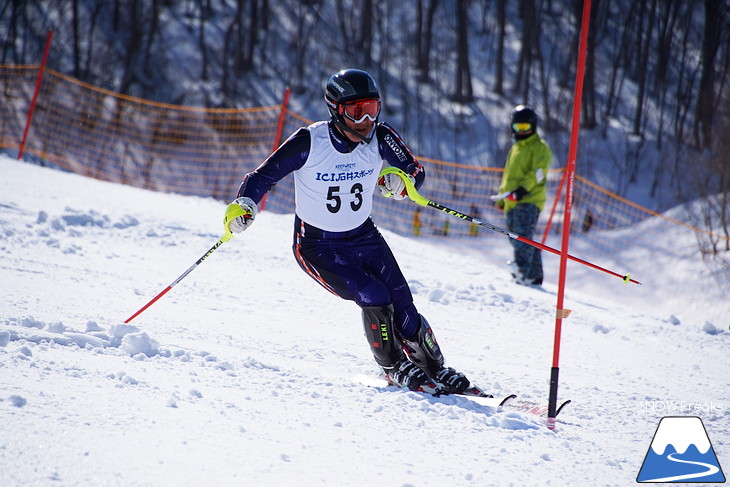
[[681, 452]]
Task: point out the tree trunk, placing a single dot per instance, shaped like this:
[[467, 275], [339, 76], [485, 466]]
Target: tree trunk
[[366, 31], [502, 23], [424, 35], [251, 42], [645, 36], [619, 66], [705, 111], [529, 37], [76, 41], [464, 92], [201, 44]]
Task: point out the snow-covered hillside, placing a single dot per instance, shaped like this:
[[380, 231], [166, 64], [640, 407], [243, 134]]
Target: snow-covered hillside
[[248, 373]]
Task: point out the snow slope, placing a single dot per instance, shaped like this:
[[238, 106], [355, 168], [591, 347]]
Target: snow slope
[[248, 373]]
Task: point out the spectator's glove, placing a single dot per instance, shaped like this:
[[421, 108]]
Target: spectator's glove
[[240, 214], [392, 185], [515, 195]]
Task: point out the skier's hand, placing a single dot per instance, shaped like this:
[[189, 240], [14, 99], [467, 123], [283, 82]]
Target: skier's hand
[[392, 185], [240, 214]]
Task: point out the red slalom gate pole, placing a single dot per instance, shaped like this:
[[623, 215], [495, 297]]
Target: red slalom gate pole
[[570, 179], [42, 69]]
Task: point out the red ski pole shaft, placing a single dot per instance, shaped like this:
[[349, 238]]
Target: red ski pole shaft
[[420, 200], [626, 278], [182, 276]]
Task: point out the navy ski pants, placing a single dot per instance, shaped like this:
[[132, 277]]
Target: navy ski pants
[[522, 220], [357, 265]]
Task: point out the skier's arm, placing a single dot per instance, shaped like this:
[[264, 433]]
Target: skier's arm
[[535, 167], [521, 176], [291, 156]]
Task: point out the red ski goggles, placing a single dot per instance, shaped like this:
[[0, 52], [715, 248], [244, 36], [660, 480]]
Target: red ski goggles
[[359, 110]]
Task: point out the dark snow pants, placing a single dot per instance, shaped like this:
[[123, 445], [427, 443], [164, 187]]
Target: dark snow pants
[[357, 265], [522, 220]]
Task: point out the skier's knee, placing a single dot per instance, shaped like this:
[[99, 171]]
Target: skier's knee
[[374, 294]]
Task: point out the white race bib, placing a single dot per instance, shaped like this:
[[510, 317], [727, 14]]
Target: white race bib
[[334, 191]]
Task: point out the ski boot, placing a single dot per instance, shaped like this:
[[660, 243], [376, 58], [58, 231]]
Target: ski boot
[[423, 350]]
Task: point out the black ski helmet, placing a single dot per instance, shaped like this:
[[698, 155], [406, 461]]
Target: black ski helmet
[[347, 86], [520, 115]]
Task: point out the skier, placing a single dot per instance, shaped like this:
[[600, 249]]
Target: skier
[[336, 166], [522, 192]]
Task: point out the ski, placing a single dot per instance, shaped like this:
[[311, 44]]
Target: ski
[[534, 407], [510, 402], [477, 395]]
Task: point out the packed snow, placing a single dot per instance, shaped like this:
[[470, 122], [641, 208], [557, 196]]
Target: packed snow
[[248, 373]]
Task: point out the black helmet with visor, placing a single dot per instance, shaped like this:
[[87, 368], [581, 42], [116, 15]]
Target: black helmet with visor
[[523, 122], [352, 94]]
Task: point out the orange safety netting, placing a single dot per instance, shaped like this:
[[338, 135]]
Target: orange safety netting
[[113, 137], [205, 151]]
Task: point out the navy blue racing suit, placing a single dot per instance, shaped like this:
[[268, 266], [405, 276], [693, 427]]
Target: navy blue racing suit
[[353, 263]]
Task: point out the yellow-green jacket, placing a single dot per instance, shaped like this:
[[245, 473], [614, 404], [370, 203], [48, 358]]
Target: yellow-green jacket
[[527, 165]]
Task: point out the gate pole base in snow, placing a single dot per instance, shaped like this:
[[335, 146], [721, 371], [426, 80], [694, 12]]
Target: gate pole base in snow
[[553, 398]]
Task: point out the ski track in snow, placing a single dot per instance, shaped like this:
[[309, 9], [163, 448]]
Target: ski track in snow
[[246, 372]]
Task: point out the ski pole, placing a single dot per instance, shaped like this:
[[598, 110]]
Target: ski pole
[[420, 200], [232, 211]]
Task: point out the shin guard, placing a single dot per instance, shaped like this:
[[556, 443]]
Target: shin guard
[[380, 332]]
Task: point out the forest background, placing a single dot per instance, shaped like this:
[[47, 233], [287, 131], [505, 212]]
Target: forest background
[[654, 111]]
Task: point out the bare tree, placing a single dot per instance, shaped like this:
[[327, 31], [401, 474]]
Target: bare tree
[[668, 15], [529, 43], [685, 83], [366, 31], [355, 20], [642, 62], [202, 47], [620, 63], [75, 33], [424, 36], [463, 87], [307, 22], [502, 33], [712, 184], [153, 31], [667, 18], [133, 45], [239, 44], [705, 111], [588, 105]]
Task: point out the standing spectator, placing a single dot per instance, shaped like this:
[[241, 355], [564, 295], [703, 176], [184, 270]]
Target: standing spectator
[[522, 192]]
